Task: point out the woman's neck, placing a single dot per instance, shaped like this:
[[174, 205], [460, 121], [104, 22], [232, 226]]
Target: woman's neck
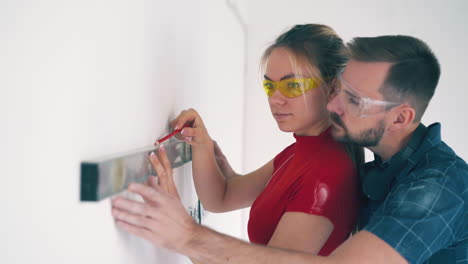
[[315, 129]]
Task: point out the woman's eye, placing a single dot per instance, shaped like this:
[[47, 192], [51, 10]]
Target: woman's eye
[[294, 85], [268, 86]]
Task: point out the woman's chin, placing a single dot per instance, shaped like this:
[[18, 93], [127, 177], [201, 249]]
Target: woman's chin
[[285, 128]]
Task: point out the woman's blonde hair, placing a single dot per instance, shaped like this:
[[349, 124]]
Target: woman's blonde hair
[[316, 48], [319, 51]]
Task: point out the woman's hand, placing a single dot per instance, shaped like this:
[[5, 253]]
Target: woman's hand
[[165, 178], [161, 218], [196, 134], [223, 163]]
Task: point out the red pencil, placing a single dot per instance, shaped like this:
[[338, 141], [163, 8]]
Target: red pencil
[[159, 141]]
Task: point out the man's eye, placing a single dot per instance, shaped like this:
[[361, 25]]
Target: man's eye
[[353, 100]]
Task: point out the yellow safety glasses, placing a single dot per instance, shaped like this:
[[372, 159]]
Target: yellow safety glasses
[[290, 87]]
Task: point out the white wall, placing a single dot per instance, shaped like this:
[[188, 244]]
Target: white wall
[[442, 24], [81, 79]]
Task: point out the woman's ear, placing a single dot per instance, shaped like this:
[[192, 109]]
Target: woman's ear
[[332, 86]]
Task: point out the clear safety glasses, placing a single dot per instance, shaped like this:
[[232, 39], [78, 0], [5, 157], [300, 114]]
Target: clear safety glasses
[[290, 87], [358, 106]]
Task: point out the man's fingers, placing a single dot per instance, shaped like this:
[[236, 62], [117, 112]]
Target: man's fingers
[[135, 230], [134, 207], [129, 217], [128, 205], [153, 194]]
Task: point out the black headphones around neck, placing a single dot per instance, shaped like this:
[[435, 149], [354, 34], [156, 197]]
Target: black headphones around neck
[[376, 178]]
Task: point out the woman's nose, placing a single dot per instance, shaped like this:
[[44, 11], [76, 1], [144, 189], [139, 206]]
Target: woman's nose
[[277, 98]]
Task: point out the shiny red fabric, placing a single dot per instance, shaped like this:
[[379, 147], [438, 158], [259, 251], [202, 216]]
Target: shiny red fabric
[[315, 176]]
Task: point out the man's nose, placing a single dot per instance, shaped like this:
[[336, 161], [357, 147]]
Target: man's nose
[[334, 105]]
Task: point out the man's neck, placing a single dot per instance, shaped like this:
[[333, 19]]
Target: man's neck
[[393, 142]]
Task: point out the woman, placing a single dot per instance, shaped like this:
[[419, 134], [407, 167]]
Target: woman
[[306, 198]]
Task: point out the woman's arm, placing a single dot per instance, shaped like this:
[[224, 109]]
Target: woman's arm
[[218, 186], [301, 232]]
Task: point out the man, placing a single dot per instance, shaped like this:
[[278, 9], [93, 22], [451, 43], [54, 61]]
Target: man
[[416, 189]]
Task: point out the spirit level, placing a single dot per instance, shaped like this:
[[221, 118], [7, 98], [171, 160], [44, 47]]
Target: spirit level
[[107, 176]]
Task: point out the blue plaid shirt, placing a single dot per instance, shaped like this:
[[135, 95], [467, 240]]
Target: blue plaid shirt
[[425, 214]]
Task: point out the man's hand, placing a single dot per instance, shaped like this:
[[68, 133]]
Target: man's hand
[[161, 218], [163, 221]]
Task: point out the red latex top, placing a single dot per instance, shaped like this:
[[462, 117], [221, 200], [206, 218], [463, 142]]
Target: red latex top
[[315, 176]]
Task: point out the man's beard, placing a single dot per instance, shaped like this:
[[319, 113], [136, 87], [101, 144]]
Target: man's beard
[[367, 138]]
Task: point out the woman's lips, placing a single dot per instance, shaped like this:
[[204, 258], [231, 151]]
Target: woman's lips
[[281, 116]]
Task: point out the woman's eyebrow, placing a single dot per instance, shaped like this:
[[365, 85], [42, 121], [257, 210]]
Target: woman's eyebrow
[[266, 77], [288, 76]]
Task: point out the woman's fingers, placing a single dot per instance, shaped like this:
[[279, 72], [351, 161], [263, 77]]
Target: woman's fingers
[[152, 181], [162, 166], [196, 127], [160, 171], [188, 132], [186, 116], [169, 176], [162, 155]]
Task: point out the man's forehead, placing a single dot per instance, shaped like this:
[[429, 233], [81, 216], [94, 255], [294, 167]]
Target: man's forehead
[[366, 76]]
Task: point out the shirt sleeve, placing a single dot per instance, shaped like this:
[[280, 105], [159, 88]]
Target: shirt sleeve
[[324, 190], [419, 218], [283, 156]]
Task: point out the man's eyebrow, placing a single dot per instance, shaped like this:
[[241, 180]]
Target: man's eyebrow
[[288, 76], [349, 91]]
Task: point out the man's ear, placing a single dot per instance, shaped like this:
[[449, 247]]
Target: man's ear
[[402, 116]]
